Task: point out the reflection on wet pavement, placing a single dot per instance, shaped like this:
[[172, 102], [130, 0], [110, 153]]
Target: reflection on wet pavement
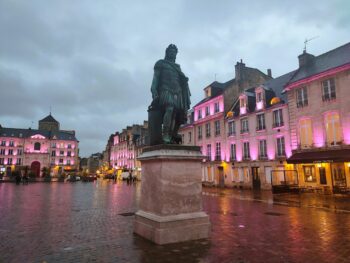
[[92, 222]]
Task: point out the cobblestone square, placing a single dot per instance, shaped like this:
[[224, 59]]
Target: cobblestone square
[[92, 222]]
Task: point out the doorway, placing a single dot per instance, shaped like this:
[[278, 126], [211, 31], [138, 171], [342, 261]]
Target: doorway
[[256, 178], [221, 177], [35, 168], [338, 177]]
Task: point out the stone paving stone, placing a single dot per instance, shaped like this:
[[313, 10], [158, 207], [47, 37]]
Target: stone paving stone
[[82, 222]]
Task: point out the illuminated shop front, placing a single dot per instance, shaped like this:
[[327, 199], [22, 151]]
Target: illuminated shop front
[[323, 170]]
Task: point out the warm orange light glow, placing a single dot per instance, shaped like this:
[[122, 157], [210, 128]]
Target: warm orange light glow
[[229, 114], [275, 100]]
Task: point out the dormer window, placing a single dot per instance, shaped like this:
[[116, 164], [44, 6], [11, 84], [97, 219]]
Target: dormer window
[[243, 105], [259, 94]]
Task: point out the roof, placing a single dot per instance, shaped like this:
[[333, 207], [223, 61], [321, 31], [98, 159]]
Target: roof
[[218, 89], [277, 84], [49, 118], [331, 59], [26, 133]]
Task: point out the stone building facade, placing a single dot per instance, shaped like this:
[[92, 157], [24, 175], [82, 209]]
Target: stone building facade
[[57, 150], [319, 112]]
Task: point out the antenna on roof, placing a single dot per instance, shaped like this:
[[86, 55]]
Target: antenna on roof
[[50, 109], [215, 76], [307, 41]]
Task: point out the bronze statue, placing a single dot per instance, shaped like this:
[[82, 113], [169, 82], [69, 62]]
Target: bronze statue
[[171, 100]]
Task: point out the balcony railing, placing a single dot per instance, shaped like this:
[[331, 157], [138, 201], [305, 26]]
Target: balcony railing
[[245, 131], [260, 127], [302, 103], [263, 157], [329, 96], [232, 133], [278, 124], [217, 158]]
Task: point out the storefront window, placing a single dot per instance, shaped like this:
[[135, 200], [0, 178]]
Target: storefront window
[[309, 173]]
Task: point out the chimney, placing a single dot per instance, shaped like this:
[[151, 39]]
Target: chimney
[[305, 59], [269, 72], [239, 70]]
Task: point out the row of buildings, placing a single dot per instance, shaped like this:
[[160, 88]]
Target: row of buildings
[[256, 131], [124, 147], [260, 132], [34, 149]]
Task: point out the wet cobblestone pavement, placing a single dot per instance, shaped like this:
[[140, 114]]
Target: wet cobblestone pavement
[[92, 222]]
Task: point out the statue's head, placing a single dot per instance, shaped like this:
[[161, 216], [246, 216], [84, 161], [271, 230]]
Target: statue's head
[[171, 52]]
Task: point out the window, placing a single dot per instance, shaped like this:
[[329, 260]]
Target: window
[[328, 89], [217, 127], [233, 152], [69, 153], [246, 151], [259, 97], [199, 132], [244, 125], [231, 128], [53, 145], [2, 151], [2, 161], [280, 147], [302, 99], [199, 114], [69, 146], [68, 162], [53, 160], [61, 153], [242, 103], [309, 173], [209, 152], [305, 133], [12, 144], [216, 107], [9, 161], [218, 152], [18, 161], [19, 152], [37, 146], [262, 149], [207, 111], [10, 152], [333, 129], [277, 118], [61, 161], [207, 130], [189, 136], [260, 121], [53, 153], [3, 143]]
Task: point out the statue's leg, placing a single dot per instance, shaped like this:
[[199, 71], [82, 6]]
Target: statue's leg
[[167, 124]]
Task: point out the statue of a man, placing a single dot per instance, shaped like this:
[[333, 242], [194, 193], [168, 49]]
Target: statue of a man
[[171, 96]]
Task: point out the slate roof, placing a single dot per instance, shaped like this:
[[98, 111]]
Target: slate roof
[[218, 89], [331, 59], [49, 118], [273, 88], [26, 133]]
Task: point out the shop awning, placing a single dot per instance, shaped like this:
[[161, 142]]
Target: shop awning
[[328, 156]]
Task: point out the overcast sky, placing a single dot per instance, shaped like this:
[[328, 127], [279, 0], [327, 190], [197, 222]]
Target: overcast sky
[[92, 61]]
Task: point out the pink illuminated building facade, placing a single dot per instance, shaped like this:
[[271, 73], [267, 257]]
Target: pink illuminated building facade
[[318, 100], [126, 147], [258, 141], [47, 146], [208, 128]]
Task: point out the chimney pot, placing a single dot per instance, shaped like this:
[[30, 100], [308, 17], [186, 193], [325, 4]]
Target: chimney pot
[[269, 72]]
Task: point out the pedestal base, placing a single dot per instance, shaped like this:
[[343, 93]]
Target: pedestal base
[[172, 229], [171, 195]]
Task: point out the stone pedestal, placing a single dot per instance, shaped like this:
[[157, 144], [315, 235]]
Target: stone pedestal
[[171, 195]]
